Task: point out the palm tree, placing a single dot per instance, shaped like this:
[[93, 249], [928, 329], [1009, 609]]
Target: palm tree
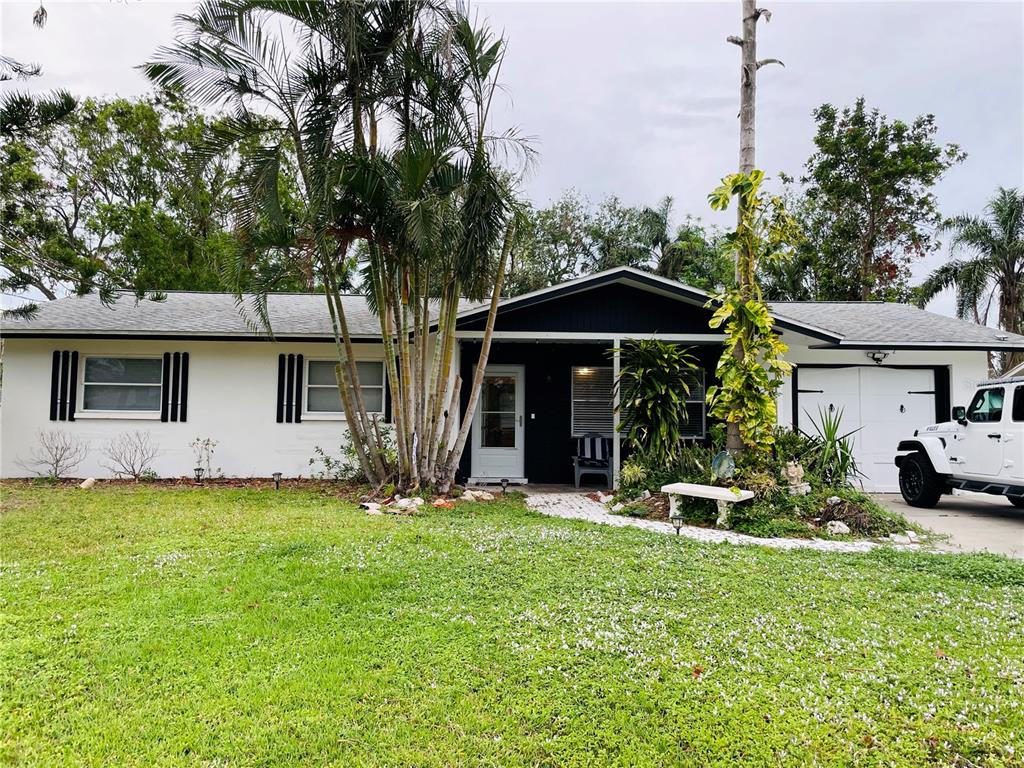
[[383, 108], [995, 270]]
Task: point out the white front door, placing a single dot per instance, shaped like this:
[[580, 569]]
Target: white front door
[[498, 425]]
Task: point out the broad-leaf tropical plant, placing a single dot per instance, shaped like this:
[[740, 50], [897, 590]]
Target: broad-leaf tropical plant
[[751, 368], [655, 379]]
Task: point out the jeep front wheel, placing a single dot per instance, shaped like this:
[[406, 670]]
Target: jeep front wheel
[[919, 484]]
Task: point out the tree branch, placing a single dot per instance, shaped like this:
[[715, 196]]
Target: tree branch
[[765, 62]]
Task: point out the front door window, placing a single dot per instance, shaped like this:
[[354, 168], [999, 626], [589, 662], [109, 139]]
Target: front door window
[[498, 412]]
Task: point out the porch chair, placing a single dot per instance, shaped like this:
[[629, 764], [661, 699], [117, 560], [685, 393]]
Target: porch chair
[[593, 457]]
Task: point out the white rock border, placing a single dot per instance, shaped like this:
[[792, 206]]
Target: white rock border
[[577, 506]]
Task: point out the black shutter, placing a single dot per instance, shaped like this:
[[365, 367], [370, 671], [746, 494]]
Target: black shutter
[[73, 387], [165, 387], [65, 364], [280, 388], [183, 401], [175, 381], [63, 385], [298, 389], [289, 389], [54, 385]]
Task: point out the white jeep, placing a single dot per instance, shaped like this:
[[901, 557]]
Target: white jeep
[[981, 449]]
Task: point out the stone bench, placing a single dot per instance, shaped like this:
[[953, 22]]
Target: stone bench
[[724, 497]]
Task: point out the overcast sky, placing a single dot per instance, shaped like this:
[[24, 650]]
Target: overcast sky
[[640, 99]]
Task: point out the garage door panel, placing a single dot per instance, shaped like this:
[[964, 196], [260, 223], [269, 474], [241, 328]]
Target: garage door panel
[[828, 390], [884, 405]]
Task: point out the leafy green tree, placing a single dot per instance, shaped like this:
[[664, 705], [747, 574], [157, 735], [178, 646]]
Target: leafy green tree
[[751, 368], [622, 236], [694, 256], [870, 211], [551, 246], [102, 194], [569, 239], [994, 269]]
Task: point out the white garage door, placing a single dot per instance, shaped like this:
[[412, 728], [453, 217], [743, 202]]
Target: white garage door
[[886, 404]]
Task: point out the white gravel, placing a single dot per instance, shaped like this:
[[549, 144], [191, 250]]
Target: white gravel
[[577, 506]]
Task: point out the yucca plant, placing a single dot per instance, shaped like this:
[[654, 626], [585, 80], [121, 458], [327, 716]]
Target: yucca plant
[[653, 386], [831, 456]]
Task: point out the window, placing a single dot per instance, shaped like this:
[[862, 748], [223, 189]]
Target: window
[[987, 406], [695, 426], [1018, 403], [122, 383], [322, 387], [592, 407]]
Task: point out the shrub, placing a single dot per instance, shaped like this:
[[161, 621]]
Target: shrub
[[130, 454], [653, 385], [863, 514], [56, 455], [345, 466], [690, 463]]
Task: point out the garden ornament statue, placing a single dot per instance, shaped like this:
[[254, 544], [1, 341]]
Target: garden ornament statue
[[794, 474]]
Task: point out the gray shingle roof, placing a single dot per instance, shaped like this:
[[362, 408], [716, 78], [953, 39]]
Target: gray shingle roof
[[294, 315], [195, 314], [872, 322]]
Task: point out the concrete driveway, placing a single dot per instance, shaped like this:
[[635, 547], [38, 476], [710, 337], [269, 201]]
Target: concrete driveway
[[974, 522]]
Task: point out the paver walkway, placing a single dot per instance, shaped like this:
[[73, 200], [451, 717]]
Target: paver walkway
[[578, 506]]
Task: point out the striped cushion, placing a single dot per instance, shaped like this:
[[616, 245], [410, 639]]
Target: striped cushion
[[593, 450]]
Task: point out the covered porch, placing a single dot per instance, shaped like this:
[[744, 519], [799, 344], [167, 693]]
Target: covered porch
[[540, 395], [552, 366]]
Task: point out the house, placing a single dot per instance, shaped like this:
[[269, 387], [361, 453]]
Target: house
[[192, 366]]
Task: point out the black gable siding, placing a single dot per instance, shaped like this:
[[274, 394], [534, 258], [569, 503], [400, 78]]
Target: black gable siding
[[548, 382], [605, 309]]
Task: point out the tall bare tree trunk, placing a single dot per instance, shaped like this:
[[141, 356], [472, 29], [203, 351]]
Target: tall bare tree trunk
[[750, 14], [748, 86]]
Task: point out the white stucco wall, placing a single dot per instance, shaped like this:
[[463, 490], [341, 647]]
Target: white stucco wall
[[232, 399]]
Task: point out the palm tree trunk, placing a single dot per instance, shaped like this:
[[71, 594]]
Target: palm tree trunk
[[455, 454], [1011, 316]]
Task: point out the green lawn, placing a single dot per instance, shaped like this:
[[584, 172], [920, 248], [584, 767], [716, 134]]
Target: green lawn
[[219, 627]]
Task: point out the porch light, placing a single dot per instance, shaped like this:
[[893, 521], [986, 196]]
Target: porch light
[[199, 474], [277, 481], [585, 371]]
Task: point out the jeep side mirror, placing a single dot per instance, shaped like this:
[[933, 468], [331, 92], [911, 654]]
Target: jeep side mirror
[[960, 414]]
